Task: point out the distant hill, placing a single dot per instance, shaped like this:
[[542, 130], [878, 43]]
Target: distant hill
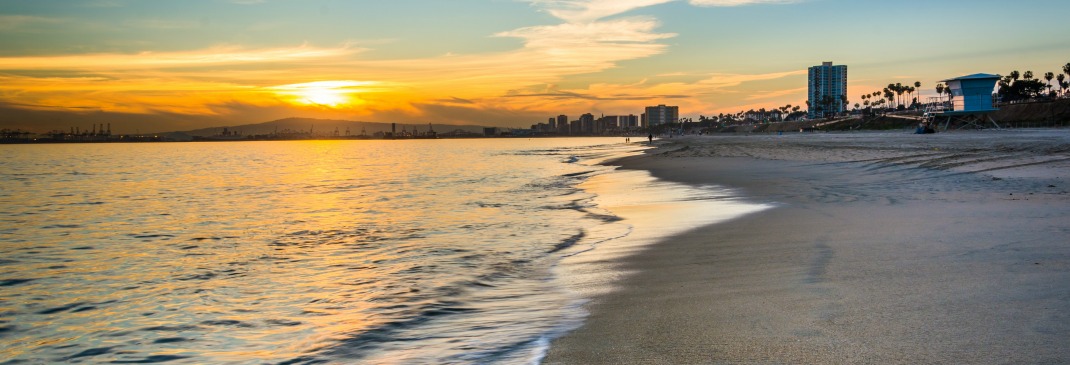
[[319, 127]]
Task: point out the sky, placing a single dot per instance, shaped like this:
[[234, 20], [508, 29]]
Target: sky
[[155, 66]]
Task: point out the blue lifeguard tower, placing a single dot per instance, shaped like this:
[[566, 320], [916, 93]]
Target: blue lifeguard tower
[[971, 101]]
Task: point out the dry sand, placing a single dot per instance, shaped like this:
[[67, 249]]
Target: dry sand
[[884, 248]]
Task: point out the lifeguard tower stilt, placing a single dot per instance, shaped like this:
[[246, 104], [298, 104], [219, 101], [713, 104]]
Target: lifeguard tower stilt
[[971, 103]]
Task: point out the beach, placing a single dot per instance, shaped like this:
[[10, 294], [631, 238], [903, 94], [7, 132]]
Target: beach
[[881, 247]]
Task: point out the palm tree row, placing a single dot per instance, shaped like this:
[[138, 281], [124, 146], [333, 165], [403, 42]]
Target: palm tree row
[[761, 115], [1014, 86], [892, 95]]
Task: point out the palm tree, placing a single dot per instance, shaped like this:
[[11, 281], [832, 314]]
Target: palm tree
[[1014, 75], [940, 91], [1048, 76], [899, 89], [827, 101], [1028, 75], [1060, 78], [1066, 70], [894, 89], [917, 86]]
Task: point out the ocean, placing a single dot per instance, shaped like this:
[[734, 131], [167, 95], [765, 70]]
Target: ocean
[[320, 252]]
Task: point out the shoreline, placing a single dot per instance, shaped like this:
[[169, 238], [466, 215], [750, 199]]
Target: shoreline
[[883, 248]]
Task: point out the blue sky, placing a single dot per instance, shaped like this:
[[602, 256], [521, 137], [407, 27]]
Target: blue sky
[[165, 65]]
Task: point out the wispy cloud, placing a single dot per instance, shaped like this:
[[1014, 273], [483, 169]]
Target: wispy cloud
[[582, 11], [701, 95], [722, 80], [740, 2], [212, 56], [589, 36], [762, 95], [16, 22], [102, 4], [161, 24]]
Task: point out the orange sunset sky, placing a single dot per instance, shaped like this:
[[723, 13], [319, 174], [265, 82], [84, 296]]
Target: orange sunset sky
[[178, 65]]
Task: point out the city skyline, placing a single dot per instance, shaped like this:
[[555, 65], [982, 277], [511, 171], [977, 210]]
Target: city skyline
[[159, 66]]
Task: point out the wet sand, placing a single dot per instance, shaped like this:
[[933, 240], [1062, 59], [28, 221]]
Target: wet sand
[[883, 248]]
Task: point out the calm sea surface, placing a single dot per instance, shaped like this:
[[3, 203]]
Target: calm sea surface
[[430, 251]]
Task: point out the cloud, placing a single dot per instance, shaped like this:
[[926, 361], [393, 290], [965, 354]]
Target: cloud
[[723, 80], [585, 11], [616, 98], [724, 3], [18, 22], [161, 24], [776, 93], [619, 32], [564, 95], [454, 100], [224, 82], [215, 56], [102, 4]]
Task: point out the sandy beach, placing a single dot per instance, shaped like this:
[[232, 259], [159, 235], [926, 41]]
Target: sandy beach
[[882, 248]]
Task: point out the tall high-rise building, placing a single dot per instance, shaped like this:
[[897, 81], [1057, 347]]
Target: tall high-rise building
[[661, 114], [827, 86]]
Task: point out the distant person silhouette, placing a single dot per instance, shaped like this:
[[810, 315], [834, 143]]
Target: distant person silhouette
[[651, 138]]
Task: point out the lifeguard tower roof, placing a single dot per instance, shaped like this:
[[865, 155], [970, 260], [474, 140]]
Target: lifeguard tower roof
[[972, 94], [975, 77]]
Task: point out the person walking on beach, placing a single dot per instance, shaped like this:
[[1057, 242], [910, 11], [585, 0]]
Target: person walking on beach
[[651, 138]]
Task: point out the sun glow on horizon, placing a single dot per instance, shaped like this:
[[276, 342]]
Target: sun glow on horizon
[[331, 94]]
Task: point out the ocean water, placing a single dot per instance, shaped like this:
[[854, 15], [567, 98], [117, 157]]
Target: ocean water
[[316, 252]]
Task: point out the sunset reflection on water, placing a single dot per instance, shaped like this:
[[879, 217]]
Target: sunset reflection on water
[[310, 251]]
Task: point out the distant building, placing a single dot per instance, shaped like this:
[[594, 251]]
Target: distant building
[[587, 123], [605, 123], [763, 115], [562, 124], [827, 85], [661, 114], [616, 122]]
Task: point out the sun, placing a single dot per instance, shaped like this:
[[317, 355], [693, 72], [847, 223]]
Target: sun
[[325, 97], [331, 94]]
